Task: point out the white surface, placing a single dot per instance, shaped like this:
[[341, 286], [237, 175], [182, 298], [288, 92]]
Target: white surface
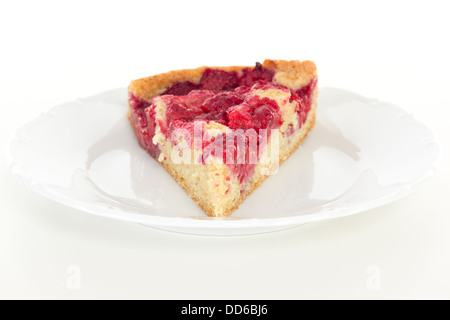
[[343, 168], [53, 52]]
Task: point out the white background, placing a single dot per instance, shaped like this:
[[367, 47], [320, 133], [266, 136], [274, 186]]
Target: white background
[[55, 51]]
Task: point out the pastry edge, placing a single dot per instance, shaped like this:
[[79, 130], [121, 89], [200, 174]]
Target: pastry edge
[[292, 74]]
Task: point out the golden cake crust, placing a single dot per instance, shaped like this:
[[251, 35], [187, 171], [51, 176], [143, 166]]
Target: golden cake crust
[[292, 74]]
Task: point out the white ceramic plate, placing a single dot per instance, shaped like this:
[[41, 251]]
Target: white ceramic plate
[[362, 153]]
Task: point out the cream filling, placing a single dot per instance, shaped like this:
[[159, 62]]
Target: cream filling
[[287, 109], [183, 152]]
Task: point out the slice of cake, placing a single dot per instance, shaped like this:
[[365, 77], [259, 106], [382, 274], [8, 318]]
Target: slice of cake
[[221, 131]]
